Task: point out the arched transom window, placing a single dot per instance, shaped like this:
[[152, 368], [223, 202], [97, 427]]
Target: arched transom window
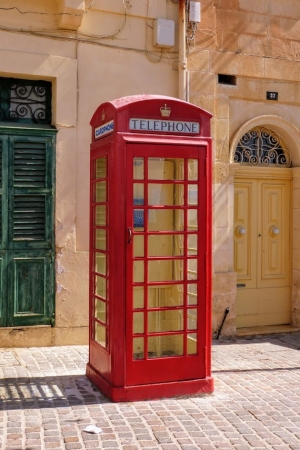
[[262, 147]]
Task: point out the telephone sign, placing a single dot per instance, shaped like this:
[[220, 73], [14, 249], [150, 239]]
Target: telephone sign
[[170, 126]]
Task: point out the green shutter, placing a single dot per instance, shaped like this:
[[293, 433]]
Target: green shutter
[[1, 147], [29, 217], [31, 192], [3, 290], [30, 164], [27, 227], [3, 230]]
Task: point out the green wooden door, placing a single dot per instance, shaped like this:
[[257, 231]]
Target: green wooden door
[[26, 227]]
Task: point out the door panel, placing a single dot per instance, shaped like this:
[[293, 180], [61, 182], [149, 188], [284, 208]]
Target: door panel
[[3, 284], [165, 298], [247, 302], [30, 276], [273, 300], [274, 265], [250, 315], [245, 264], [262, 254]]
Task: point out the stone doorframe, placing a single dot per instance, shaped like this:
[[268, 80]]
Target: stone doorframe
[[291, 137]]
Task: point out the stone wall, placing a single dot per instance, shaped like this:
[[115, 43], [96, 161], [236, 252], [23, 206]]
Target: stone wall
[[257, 44]]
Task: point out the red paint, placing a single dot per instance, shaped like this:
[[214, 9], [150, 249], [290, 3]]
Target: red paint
[[157, 358]]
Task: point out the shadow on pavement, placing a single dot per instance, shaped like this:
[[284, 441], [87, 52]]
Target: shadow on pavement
[[261, 354], [48, 392], [289, 340]]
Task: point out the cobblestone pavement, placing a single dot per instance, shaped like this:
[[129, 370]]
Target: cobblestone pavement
[[46, 402]]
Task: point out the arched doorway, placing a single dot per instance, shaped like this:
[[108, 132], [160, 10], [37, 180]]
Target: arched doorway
[[262, 228]]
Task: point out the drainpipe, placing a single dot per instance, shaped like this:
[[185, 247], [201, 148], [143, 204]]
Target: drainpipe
[[182, 91]]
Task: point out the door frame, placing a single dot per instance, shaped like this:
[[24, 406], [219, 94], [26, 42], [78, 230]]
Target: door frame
[[290, 134]]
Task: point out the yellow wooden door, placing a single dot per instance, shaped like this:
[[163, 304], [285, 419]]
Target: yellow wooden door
[[262, 251]]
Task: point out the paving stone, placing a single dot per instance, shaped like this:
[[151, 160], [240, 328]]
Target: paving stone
[[46, 402]]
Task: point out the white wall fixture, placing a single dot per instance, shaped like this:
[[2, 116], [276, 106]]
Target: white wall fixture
[[195, 12], [164, 33]]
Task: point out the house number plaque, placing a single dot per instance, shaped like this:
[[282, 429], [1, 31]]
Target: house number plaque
[[272, 95]]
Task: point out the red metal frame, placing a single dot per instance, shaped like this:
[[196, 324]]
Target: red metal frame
[[113, 369]]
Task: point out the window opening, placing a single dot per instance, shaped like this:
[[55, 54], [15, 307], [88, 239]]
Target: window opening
[[227, 79], [25, 101], [262, 147]]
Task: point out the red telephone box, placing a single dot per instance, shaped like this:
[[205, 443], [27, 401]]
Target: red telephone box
[[150, 249]]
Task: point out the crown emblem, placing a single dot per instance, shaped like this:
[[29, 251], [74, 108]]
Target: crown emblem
[[165, 111], [103, 115]]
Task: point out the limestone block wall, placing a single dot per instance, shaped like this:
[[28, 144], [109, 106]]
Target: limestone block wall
[[256, 44]]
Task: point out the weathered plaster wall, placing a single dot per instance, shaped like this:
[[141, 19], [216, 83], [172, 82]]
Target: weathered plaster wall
[[118, 73], [94, 52], [258, 43], [120, 70], [33, 14]]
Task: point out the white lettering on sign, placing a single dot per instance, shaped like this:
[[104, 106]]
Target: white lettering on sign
[[169, 126], [104, 129]]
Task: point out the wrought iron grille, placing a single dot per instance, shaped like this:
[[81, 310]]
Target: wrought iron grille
[[262, 147], [26, 101]]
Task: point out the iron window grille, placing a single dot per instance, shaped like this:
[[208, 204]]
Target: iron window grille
[[25, 101], [262, 147]]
